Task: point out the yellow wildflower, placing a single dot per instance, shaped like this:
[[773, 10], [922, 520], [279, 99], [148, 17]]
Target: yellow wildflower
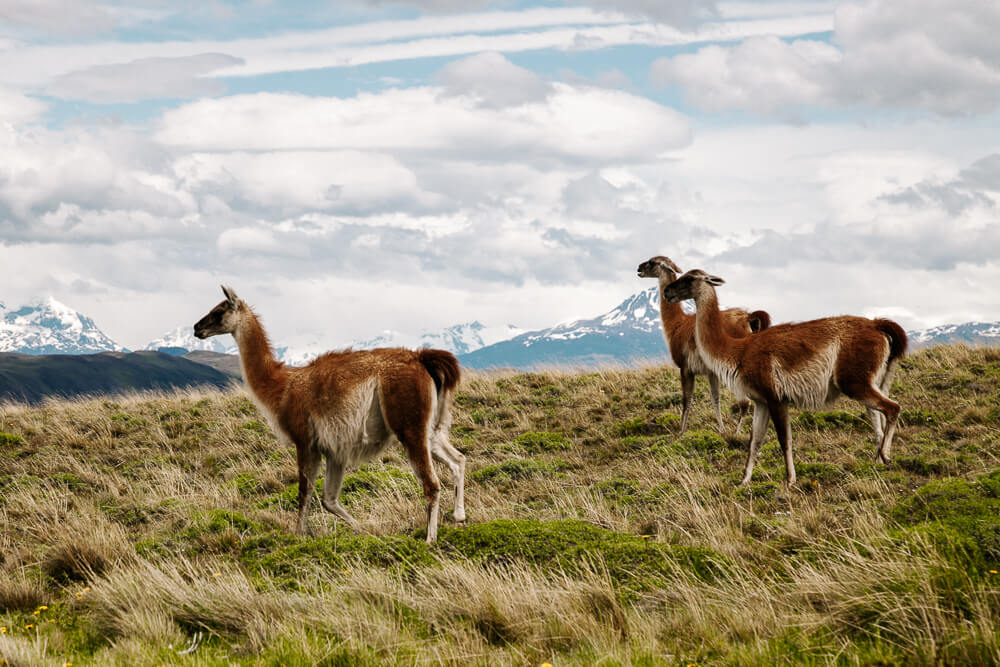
[[42, 608], [3, 629], [29, 626], [993, 571], [35, 613], [217, 574], [546, 664]]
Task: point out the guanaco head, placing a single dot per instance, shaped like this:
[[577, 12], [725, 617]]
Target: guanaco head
[[658, 266], [689, 286], [223, 319]]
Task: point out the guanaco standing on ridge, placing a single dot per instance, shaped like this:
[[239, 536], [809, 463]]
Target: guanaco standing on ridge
[[678, 329], [348, 406], [806, 364]]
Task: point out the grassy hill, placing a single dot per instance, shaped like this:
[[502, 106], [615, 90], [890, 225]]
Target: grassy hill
[[158, 530]]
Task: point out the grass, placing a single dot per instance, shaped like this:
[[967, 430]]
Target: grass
[[158, 529]]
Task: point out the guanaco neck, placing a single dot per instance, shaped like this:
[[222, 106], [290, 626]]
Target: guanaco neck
[[264, 375], [709, 328], [670, 313]]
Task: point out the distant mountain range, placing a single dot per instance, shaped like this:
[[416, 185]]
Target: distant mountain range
[[460, 338], [628, 334], [49, 327]]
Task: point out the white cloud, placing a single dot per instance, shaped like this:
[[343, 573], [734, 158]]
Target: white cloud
[[385, 41], [144, 79], [762, 74], [673, 12], [16, 107], [63, 17], [493, 81], [677, 12], [936, 55], [586, 125], [289, 183]]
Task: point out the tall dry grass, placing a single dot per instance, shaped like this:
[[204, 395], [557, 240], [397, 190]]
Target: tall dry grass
[[158, 528]]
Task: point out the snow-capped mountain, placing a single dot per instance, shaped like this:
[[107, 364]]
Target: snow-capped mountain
[[629, 333], [970, 333], [47, 326], [183, 337], [459, 339], [626, 335]]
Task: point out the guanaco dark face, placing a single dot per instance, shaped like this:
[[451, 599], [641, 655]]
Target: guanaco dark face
[[223, 319], [688, 285], [654, 267]]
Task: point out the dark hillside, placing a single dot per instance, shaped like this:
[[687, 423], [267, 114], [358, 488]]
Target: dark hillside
[[31, 378]]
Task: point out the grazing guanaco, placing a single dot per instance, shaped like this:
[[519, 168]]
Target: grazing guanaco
[[678, 329], [348, 406], [806, 364]]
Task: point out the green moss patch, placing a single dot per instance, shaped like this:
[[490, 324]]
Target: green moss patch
[[965, 513], [516, 470], [10, 439], [537, 442], [571, 544], [836, 419]]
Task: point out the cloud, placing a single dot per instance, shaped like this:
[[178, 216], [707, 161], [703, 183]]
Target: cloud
[[566, 28], [672, 12], [144, 79], [571, 125], [60, 17], [762, 74], [16, 107], [887, 53], [493, 81], [933, 224], [278, 184]]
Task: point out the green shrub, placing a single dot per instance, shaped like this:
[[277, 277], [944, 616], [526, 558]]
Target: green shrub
[[537, 442], [10, 439]]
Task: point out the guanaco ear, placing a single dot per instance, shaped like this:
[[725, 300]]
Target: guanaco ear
[[669, 263], [714, 280], [230, 295]]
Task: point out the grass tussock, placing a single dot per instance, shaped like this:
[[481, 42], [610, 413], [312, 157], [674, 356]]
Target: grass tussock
[[158, 529]]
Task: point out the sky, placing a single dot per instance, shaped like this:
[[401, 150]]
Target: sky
[[355, 166]]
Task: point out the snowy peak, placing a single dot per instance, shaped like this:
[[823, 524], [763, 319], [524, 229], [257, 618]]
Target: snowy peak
[[458, 339], [970, 333], [638, 313], [183, 337], [47, 326]]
